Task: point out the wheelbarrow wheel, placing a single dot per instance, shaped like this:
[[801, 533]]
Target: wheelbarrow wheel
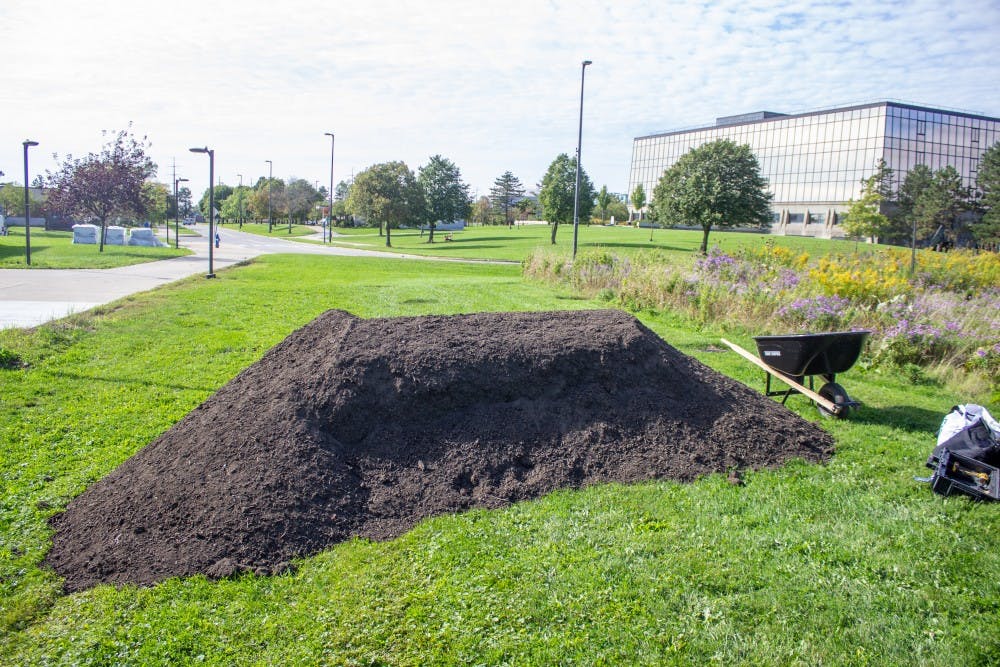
[[834, 393]]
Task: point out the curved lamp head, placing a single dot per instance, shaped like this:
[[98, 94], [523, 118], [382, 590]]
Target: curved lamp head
[[29, 142], [587, 62]]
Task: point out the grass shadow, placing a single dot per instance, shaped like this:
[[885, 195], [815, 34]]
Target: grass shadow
[[455, 246], [645, 245], [11, 251], [132, 382], [907, 417]]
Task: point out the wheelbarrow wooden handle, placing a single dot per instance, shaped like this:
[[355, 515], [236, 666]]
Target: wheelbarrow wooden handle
[[832, 407]]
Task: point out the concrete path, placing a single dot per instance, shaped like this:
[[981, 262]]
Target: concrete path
[[29, 297]]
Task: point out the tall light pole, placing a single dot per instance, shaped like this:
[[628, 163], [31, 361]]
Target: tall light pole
[[211, 206], [579, 142], [329, 216], [177, 216], [27, 210], [270, 169]]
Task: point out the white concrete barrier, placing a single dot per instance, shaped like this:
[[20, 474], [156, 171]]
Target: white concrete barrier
[[85, 234], [145, 237], [114, 236]]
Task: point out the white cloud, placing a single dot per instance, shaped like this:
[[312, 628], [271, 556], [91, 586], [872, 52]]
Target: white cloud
[[491, 85]]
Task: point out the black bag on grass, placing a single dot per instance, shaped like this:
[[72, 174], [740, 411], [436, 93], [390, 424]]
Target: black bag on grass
[[975, 442], [967, 457]]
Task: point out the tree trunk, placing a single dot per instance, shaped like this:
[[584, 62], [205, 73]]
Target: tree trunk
[[555, 225], [103, 227], [388, 236], [704, 240], [430, 239]]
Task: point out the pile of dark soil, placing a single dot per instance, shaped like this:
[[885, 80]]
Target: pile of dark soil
[[354, 427]]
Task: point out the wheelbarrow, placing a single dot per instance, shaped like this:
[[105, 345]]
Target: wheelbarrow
[[794, 357]]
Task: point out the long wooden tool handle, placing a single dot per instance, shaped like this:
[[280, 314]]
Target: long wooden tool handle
[[829, 405]]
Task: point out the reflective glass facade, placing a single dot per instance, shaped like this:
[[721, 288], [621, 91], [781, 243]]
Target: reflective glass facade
[[814, 162]]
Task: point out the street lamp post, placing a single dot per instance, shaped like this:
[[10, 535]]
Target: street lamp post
[[27, 210], [270, 170], [240, 190], [177, 215], [329, 216], [579, 142], [211, 206]]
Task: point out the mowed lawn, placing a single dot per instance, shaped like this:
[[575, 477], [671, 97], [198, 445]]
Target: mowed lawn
[[848, 563], [277, 230], [55, 250], [515, 243]]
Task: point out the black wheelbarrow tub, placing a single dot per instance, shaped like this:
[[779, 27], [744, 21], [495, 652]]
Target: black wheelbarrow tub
[[798, 355]]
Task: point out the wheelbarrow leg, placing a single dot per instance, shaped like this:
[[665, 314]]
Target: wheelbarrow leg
[[784, 394]]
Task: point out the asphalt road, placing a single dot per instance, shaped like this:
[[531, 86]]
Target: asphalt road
[[29, 297]]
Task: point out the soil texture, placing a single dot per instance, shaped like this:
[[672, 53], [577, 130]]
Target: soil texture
[[354, 427]]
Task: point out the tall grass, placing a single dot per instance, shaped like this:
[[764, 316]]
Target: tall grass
[[943, 319]]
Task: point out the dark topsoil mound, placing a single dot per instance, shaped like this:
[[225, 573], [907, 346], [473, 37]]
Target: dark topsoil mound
[[354, 427]]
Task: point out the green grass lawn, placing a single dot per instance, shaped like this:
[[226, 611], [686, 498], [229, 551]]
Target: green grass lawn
[[278, 230], [185, 230], [848, 563], [55, 250], [503, 243]]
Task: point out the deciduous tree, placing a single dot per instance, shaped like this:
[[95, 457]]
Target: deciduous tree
[[105, 184], [258, 200], [717, 184], [481, 211], [526, 208], [447, 195], [236, 205], [389, 194], [156, 197], [342, 190], [558, 188], [638, 200], [617, 210], [864, 216], [221, 193], [12, 200], [603, 202], [300, 196]]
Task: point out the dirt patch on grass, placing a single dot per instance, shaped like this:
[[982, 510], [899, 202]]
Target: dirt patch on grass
[[354, 427]]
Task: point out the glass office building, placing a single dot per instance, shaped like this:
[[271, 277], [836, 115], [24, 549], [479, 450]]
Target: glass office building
[[815, 162]]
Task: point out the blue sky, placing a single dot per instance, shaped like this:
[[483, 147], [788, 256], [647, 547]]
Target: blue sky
[[493, 86]]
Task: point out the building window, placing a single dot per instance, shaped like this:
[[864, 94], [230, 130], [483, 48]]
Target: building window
[[974, 135], [921, 128]]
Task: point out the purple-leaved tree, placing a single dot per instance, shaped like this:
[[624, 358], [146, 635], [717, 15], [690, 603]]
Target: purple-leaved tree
[[105, 184]]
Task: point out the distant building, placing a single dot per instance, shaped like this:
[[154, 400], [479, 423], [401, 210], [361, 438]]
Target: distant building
[[815, 162]]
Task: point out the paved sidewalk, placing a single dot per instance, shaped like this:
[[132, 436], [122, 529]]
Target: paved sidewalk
[[29, 297]]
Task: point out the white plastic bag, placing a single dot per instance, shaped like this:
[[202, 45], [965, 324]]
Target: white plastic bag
[[964, 416]]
